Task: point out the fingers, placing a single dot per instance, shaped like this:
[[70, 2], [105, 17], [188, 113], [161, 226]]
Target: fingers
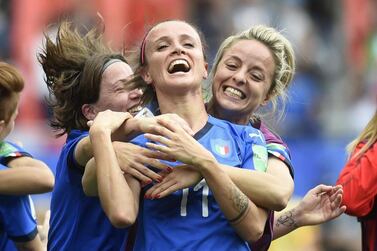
[[156, 147], [89, 123], [320, 189], [157, 189], [142, 173], [175, 124], [159, 139]]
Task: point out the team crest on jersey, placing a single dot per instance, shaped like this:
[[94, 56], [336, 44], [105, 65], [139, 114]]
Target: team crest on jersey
[[221, 147]]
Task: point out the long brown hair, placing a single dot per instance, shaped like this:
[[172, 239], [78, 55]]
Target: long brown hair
[[73, 66], [368, 135]]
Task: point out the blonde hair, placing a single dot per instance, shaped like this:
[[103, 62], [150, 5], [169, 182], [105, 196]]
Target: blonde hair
[[281, 50], [11, 84], [368, 135]]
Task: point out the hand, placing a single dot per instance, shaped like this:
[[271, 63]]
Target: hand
[[134, 160], [43, 229], [108, 120], [179, 178], [178, 144], [320, 204], [152, 125]]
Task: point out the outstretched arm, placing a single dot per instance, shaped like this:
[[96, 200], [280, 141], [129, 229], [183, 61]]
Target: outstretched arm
[[320, 204], [26, 175]]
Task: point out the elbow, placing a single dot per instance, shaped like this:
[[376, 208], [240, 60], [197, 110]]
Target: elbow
[[122, 218], [46, 180], [281, 199], [256, 233]]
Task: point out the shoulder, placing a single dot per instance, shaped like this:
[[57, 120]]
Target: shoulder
[[9, 151]]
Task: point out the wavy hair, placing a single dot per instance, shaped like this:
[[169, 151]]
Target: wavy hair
[[73, 65], [281, 50], [368, 136]]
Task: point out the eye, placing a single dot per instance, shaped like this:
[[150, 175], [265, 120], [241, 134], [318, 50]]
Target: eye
[[188, 45], [161, 47], [231, 66], [256, 76]]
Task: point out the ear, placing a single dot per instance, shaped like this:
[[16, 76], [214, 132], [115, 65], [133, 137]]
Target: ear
[[266, 100], [89, 111], [146, 76], [205, 75]]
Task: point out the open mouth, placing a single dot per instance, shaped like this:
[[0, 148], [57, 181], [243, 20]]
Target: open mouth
[[234, 93], [178, 65], [135, 109]]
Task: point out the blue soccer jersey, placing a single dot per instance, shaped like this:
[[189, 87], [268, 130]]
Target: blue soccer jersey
[[17, 220], [78, 222], [191, 219], [9, 150]]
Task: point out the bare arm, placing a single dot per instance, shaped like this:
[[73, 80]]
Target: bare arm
[[320, 204], [26, 175], [271, 190], [113, 189]]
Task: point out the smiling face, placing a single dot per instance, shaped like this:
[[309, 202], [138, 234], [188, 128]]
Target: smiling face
[[113, 94], [174, 56], [242, 80]]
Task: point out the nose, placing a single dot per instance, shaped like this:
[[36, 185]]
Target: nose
[[178, 49], [135, 94], [239, 77]]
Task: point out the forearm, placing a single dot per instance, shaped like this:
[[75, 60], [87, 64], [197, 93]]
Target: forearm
[[89, 179], [83, 151], [26, 176], [271, 190], [244, 215], [285, 222], [114, 192]]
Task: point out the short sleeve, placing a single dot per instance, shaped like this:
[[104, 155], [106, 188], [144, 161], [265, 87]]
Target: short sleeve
[[18, 216], [9, 151], [256, 152]]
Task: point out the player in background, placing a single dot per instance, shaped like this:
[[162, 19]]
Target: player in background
[[19, 173], [25, 175], [358, 179]]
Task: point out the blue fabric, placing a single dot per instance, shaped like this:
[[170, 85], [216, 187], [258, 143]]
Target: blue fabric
[[9, 150], [17, 220], [191, 219], [78, 222]]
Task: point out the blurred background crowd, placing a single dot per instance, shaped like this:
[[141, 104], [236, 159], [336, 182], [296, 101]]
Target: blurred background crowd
[[333, 95]]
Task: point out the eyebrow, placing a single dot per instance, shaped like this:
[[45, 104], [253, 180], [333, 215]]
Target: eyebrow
[[256, 65], [165, 38]]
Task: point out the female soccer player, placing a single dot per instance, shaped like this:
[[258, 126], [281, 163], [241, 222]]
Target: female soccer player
[[84, 77], [175, 66], [19, 172]]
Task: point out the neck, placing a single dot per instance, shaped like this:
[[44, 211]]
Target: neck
[[230, 116], [189, 106]]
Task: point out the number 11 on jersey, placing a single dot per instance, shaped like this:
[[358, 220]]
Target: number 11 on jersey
[[205, 191]]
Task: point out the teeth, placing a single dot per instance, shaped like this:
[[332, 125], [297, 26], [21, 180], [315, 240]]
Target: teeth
[[135, 109], [234, 92], [177, 62]]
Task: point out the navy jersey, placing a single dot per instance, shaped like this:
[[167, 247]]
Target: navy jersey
[[17, 220], [9, 150], [191, 219], [78, 222]]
